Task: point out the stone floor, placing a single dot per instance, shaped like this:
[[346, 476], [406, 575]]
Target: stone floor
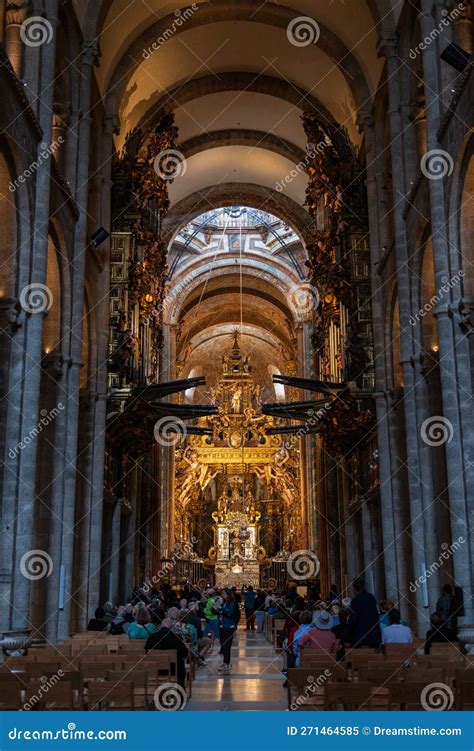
[[254, 683]]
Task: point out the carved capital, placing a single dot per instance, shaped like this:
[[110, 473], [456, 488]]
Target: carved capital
[[365, 122], [91, 53], [387, 46], [53, 364], [61, 115], [466, 312], [10, 310], [16, 13], [112, 125]]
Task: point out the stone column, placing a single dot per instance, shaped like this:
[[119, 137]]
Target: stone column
[[459, 469], [16, 15], [369, 572], [100, 417], [389, 48], [19, 496], [114, 563], [376, 243], [89, 58], [426, 478], [396, 451]]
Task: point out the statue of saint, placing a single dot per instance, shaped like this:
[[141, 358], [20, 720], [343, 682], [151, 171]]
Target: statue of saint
[[236, 400]]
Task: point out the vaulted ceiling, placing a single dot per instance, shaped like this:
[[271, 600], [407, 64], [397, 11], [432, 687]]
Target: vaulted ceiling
[[238, 74]]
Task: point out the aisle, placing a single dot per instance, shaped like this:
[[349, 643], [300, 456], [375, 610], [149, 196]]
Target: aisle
[[254, 683]]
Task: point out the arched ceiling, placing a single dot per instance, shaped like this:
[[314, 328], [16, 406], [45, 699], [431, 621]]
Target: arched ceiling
[[204, 356], [238, 76]]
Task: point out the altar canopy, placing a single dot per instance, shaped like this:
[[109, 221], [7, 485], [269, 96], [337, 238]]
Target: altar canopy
[[238, 490]]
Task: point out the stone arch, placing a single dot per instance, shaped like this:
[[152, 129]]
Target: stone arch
[[237, 81], [96, 14], [238, 137], [245, 194], [197, 275], [245, 11]]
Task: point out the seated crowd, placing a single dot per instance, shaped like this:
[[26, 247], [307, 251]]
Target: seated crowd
[[191, 621]]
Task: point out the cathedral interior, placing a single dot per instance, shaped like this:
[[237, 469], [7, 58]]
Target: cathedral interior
[[236, 301]]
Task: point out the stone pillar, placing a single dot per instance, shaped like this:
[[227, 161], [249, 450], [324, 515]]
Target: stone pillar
[[114, 563], [89, 58], [389, 48], [426, 478], [16, 15], [459, 469], [367, 542], [376, 243], [100, 416], [19, 496], [396, 452]]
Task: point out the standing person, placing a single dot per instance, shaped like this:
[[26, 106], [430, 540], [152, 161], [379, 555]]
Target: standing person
[[333, 594], [364, 627], [445, 605], [259, 610], [249, 605], [211, 615], [229, 613]]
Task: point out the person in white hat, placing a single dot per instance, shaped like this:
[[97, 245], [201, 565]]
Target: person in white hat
[[320, 637]]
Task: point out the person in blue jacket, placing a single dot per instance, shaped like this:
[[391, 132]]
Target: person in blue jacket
[[229, 619]]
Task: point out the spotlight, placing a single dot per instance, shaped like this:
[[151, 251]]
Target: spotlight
[[99, 236], [455, 56]]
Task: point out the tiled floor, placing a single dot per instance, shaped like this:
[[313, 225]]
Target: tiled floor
[[254, 683]]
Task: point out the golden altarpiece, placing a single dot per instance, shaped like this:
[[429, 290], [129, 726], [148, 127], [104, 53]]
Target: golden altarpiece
[[238, 490]]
